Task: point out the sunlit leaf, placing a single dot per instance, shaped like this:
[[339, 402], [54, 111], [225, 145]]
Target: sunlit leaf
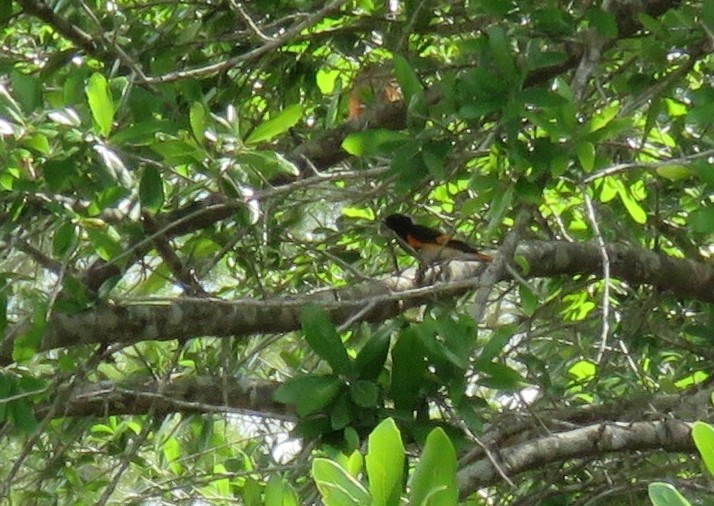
[[100, 103], [277, 125]]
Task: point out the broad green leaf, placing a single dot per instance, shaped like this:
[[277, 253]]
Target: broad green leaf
[[63, 238], [408, 369], [586, 155], [664, 494], [674, 172], [341, 413], [385, 464], [151, 189], [364, 393], [104, 244], [279, 493], [336, 485], [502, 54], [38, 142], [27, 89], [370, 360], [323, 338], [708, 14], [703, 435], [100, 103], [408, 80], [434, 480], [583, 370], [197, 118], [501, 377], [373, 142], [309, 393], [276, 125], [604, 22], [702, 220], [633, 207], [266, 165], [22, 415]]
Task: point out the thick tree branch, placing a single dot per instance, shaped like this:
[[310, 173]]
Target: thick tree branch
[[200, 394], [187, 318], [600, 439]]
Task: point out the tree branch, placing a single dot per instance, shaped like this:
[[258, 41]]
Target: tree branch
[[185, 318]]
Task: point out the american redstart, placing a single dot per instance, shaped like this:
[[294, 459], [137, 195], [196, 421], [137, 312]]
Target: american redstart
[[431, 244]]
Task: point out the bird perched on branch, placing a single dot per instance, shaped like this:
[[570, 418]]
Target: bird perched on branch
[[431, 244]]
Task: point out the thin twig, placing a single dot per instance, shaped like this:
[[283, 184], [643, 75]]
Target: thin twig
[[602, 248]]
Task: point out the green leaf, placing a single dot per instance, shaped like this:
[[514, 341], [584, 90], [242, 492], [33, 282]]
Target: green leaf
[[197, 118], [336, 486], [407, 78], [707, 11], [434, 480], [370, 360], [104, 245], [323, 338], [497, 341], [373, 142], [100, 103], [633, 207], [703, 435], [277, 125], [266, 165], [501, 377], [502, 55], [385, 464], [664, 494], [309, 394], [674, 171], [604, 22], [279, 493], [151, 189], [27, 344], [63, 239], [22, 415], [408, 369], [364, 393], [583, 370], [702, 220], [586, 155], [27, 89]]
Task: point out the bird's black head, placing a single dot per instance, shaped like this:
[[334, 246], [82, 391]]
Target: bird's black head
[[399, 223]]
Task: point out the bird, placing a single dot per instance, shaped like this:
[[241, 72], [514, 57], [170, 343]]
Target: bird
[[430, 244]]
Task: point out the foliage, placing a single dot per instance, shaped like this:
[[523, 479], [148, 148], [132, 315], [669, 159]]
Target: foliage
[[199, 304]]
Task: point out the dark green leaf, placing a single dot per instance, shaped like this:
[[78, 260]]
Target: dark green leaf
[[364, 393], [502, 54], [28, 90], [151, 189], [63, 238], [408, 80], [603, 22], [309, 394], [323, 338], [369, 362], [408, 370]]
